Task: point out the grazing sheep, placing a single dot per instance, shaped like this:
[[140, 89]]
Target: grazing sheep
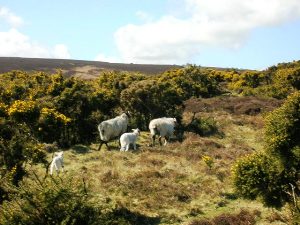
[[57, 162], [112, 128], [129, 138], [163, 127]]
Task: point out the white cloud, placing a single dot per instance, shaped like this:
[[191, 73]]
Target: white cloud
[[10, 17], [15, 44], [222, 23]]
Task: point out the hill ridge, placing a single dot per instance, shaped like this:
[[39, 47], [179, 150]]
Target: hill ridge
[[78, 68]]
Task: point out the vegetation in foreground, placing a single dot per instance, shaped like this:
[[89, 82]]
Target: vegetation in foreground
[[187, 182]]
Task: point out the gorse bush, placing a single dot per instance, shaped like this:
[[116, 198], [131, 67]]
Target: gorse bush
[[259, 175], [23, 111], [53, 201], [274, 174], [277, 81], [191, 81], [63, 109], [203, 126], [18, 148], [150, 99], [282, 132]]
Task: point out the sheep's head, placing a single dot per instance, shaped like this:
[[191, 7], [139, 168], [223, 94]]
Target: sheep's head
[[128, 113], [175, 121], [60, 154], [136, 131]]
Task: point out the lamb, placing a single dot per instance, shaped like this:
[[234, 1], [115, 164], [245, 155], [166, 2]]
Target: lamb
[[163, 127], [57, 162], [112, 128], [129, 138]]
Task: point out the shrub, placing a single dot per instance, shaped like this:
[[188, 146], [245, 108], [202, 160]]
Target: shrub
[[23, 110], [259, 175], [149, 99], [64, 201], [282, 132], [3, 109], [17, 148], [203, 126]]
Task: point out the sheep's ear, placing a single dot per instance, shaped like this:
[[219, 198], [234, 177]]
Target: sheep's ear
[[128, 113], [133, 129]]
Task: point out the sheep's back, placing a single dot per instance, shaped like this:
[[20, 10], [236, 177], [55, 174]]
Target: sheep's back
[[112, 128], [128, 137], [165, 126]]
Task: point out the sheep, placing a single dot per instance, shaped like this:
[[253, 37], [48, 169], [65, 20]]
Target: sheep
[[57, 162], [163, 127], [129, 138], [112, 128]]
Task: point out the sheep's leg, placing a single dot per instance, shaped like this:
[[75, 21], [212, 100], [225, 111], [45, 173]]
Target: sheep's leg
[[127, 147], [134, 146], [107, 146], [166, 140], [51, 170], [56, 168], [153, 139], [101, 143], [62, 165], [159, 140]]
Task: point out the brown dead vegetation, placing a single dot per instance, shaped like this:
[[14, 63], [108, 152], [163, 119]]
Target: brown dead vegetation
[[249, 105]]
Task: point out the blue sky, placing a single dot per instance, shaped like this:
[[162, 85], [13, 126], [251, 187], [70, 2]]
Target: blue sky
[[223, 33]]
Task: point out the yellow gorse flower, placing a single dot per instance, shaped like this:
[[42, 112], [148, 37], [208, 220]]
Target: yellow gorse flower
[[3, 107], [208, 160], [20, 106], [58, 116]]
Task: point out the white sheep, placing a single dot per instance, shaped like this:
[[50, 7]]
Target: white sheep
[[57, 162], [163, 127], [112, 128], [129, 138]]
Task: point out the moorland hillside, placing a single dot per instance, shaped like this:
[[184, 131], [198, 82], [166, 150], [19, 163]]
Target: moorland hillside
[[233, 159]]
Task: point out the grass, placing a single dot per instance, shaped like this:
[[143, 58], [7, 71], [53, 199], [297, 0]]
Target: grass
[[173, 182]]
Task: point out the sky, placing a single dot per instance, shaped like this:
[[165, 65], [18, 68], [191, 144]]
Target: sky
[[253, 34]]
